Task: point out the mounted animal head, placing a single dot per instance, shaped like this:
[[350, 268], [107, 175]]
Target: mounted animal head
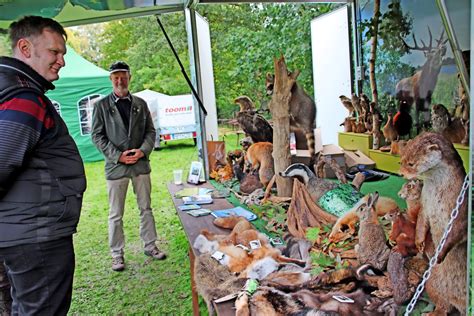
[[298, 171], [246, 104]]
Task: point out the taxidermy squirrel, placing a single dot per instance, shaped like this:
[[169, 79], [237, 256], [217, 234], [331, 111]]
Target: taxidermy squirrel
[[372, 247], [259, 157], [403, 234], [302, 110], [383, 205], [433, 158], [411, 193]]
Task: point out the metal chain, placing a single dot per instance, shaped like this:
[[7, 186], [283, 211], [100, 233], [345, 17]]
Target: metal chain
[[427, 274]]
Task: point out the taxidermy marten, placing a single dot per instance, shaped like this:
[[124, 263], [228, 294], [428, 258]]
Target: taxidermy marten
[[383, 205], [259, 157], [302, 110], [254, 125], [372, 247], [433, 158]]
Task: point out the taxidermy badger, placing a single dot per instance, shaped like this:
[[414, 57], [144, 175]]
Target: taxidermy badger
[[253, 124], [302, 111], [317, 187]]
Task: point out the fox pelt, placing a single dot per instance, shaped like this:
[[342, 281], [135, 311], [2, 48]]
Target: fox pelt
[[238, 259], [383, 206], [214, 280]]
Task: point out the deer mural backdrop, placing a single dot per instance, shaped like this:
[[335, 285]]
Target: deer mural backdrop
[[419, 88]]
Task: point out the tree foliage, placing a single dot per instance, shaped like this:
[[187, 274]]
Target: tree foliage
[[245, 38]]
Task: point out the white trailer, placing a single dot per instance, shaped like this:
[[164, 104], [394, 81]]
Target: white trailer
[[173, 116]]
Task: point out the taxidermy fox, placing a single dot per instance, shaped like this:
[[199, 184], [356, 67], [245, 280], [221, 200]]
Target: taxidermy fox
[[302, 110], [259, 157], [433, 158], [243, 234], [383, 205]]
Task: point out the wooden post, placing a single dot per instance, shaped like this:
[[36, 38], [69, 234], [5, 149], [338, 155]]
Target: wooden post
[[280, 109]]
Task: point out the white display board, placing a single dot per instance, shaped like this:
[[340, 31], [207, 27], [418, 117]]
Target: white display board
[[207, 77], [331, 70]]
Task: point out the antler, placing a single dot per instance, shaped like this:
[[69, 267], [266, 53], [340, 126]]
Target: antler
[[426, 48]]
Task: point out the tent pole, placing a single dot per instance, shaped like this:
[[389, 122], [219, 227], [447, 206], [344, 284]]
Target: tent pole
[[181, 66]]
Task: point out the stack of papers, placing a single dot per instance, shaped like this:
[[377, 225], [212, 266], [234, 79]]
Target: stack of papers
[[198, 199]]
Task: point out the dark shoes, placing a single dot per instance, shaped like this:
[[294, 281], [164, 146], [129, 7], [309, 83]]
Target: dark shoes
[[155, 253], [118, 264]]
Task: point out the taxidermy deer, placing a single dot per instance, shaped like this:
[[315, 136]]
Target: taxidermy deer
[[419, 87]]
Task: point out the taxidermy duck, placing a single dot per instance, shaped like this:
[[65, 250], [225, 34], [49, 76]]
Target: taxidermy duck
[[389, 131], [253, 124]]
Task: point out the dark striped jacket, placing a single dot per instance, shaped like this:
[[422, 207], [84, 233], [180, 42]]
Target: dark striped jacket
[[42, 177]]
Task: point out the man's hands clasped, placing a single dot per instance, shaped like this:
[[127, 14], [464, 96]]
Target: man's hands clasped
[[131, 156]]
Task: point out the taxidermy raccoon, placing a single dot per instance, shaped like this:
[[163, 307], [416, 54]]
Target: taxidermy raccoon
[[302, 111], [433, 158]]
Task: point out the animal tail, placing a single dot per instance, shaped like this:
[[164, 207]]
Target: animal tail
[[310, 142]]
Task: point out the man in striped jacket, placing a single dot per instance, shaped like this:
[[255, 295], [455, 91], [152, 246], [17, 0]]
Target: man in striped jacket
[[42, 177]]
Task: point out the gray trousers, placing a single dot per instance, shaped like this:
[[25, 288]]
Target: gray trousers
[[117, 193]]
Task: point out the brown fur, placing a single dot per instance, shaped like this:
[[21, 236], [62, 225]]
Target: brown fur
[[397, 146], [383, 206], [451, 128], [259, 157], [432, 158], [398, 275], [302, 110], [411, 193], [214, 280], [403, 234], [347, 125], [389, 131], [242, 233], [372, 247], [253, 124]]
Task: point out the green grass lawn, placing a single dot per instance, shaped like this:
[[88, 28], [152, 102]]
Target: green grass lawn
[[146, 287]]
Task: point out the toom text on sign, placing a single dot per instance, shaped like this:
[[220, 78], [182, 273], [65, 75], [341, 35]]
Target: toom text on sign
[[179, 109]]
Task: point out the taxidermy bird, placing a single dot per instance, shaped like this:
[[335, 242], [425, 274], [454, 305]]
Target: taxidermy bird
[[389, 131], [347, 104], [356, 104], [402, 120], [451, 128], [253, 124], [364, 104]]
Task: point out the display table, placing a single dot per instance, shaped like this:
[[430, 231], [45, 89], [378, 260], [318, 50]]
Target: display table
[[192, 227]]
